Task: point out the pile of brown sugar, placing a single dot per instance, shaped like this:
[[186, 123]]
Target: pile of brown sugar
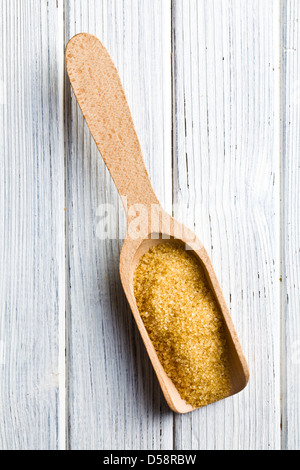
[[184, 322]]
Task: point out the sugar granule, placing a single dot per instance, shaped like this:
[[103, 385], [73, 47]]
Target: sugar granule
[[184, 322]]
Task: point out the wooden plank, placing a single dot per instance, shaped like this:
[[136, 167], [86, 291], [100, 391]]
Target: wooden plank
[[290, 225], [32, 266], [114, 398], [226, 188]]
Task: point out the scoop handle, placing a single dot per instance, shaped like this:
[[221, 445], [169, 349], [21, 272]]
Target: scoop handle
[[101, 97]]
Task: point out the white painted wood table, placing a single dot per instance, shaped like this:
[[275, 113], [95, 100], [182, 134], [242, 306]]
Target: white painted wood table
[[214, 89]]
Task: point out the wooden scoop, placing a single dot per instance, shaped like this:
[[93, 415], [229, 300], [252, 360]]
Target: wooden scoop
[[99, 92]]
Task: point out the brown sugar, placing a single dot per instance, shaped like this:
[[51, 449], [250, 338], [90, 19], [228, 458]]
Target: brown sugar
[[184, 322]]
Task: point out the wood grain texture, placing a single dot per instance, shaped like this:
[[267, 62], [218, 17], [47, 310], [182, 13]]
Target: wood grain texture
[[226, 187], [290, 225], [112, 386], [32, 265], [232, 174]]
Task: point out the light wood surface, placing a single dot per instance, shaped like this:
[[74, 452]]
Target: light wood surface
[[213, 87]]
